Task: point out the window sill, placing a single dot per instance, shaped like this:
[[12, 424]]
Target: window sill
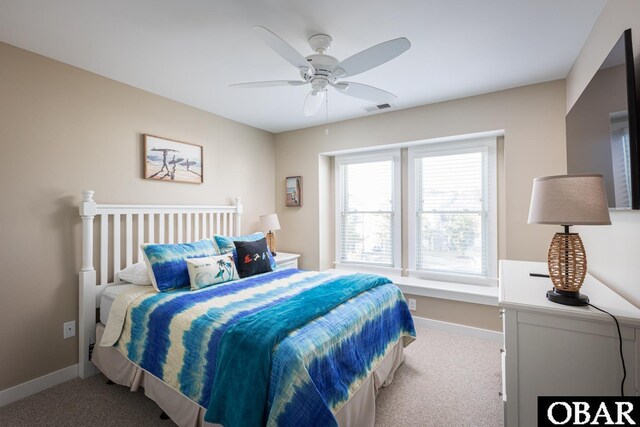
[[367, 268], [476, 294]]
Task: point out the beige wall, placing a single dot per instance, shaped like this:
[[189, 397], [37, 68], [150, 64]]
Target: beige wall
[[63, 130], [532, 118], [462, 313], [613, 251]]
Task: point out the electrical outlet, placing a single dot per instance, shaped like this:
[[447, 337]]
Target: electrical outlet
[[412, 304], [69, 329]]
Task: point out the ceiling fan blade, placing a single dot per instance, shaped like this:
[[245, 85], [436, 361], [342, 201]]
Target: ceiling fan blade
[[312, 102], [283, 48], [362, 91], [269, 83], [371, 58]]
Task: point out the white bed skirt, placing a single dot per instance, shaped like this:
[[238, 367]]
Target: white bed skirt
[[359, 411]]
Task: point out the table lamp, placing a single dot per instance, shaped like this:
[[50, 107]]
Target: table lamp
[[270, 222], [568, 200]]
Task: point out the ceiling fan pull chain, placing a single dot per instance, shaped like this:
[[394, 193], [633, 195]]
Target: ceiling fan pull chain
[[326, 107], [326, 112]]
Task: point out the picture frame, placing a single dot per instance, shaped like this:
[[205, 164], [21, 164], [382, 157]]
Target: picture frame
[[293, 191], [172, 161]]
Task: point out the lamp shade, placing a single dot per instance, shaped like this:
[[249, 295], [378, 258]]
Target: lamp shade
[[269, 222], [569, 200]]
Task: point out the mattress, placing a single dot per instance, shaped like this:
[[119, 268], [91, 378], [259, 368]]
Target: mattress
[[107, 298]]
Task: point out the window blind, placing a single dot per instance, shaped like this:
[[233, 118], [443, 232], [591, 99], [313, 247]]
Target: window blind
[[452, 211], [366, 223]]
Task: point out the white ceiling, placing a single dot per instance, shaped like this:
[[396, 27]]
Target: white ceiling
[[190, 51]]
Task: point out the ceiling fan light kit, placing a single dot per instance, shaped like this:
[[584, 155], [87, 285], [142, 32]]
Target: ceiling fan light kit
[[322, 70], [313, 101]]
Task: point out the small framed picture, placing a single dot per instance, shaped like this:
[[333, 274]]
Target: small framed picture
[[172, 161], [293, 188]]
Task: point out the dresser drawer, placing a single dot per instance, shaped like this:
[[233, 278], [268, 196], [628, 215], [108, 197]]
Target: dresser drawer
[[288, 264], [287, 260]]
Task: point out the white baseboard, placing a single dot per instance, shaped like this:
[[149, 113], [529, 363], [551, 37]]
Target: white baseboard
[[456, 328], [36, 385]]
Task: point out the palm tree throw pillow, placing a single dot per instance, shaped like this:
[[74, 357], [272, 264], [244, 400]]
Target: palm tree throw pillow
[[211, 270]]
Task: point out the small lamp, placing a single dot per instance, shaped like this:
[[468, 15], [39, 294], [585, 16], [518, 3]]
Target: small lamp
[[568, 200], [270, 222]]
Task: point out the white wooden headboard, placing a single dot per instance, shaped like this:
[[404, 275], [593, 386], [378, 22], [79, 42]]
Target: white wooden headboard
[[116, 241]]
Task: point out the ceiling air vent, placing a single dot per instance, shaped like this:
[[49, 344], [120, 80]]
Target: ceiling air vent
[[377, 108]]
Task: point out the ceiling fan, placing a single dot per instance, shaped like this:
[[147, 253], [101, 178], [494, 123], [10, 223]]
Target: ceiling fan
[[323, 71]]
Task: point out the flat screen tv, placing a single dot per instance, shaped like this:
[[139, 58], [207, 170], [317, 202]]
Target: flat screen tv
[[602, 128]]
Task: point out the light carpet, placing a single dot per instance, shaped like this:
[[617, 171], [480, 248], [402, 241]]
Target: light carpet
[[446, 380]]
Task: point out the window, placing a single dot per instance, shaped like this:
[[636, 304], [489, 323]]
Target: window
[[368, 209], [452, 205], [451, 200]]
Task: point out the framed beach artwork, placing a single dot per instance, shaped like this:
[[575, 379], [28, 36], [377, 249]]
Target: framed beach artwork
[[293, 195], [173, 161]]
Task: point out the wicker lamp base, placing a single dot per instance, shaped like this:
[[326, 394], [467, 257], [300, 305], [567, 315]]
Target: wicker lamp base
[[567, 261], [271, 242]]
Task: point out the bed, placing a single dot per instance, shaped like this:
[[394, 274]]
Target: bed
[[324, 371]]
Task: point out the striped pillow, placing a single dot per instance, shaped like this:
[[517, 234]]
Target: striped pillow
[[167, 262]]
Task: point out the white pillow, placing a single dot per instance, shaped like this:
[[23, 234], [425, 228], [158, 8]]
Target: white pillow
[[136, 273], [211, 270]]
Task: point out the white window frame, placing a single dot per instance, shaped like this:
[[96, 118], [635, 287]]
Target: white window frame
[[372, 156], [467, 146]]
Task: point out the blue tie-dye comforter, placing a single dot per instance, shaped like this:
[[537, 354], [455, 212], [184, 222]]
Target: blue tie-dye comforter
[[315, 369]]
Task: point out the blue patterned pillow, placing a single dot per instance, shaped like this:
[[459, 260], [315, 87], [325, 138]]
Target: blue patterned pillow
[[167, 262], [225, 245]]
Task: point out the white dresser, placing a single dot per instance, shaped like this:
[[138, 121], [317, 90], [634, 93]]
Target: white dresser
[[552, 349]]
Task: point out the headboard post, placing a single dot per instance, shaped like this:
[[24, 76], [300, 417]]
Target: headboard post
[[87, 213], [87, 282], [239, 208]]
